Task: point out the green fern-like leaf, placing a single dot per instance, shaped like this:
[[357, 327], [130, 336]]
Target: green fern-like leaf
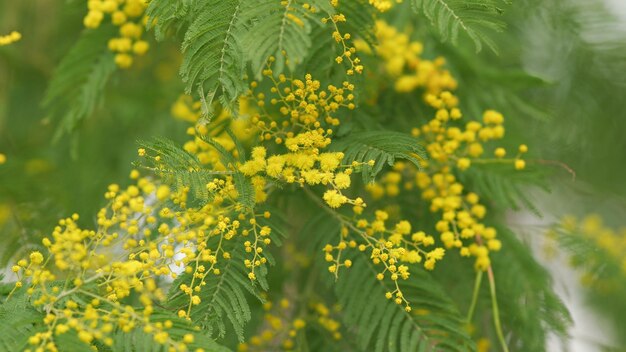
[[472, 17], [379, 324], [18, 320], [224, 297], [245, 190], [276, 28], [79, 81], [434, 324], [520, 278], [167, 15], [384, 147], [243, 185], [586, 254], [504, 186], [179, 168], [212, 56]]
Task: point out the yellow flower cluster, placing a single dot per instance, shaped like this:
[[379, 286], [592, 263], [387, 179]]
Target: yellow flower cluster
[[402, 62], [128, 16], [283, 322], [146, 234], [10, 38], [387, 246], [301, 117], [299, 106], [304, 169], [452, 148], [348, 52], [383, 5], [302, 109], [611, 244]]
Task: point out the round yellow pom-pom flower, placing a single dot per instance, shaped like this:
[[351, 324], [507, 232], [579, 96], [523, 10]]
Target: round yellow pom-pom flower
[[335, 199], [36, 258]]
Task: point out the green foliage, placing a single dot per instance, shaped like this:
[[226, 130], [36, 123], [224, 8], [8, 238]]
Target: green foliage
[[273, 33], [78, 83], [242, 184], [212, 55], [384, 147], [18, 320], [520, 278], [360, 19], [474, 18], [382, 325], [225, 297], [505, 187], [170, 16], [179, 168]]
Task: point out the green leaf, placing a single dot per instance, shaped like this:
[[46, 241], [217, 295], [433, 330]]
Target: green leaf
[[243, 185], [213, 61], [380, 324], [434, 324], [520, 278], [506, 187], [18, 321], [179, 168], [472, 17], [78, 83], [167, 15], [223, 298], [245, 190], [384, 147], [276, 28]]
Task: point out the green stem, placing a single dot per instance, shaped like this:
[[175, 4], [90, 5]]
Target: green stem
[[496, 314], [470, 313]]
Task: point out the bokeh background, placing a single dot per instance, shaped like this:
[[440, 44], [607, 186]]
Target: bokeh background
[[559, 78]]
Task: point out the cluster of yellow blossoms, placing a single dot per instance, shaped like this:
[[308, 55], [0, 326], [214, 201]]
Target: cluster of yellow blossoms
[[10, 38], [383, 5], [611, 248], [452, 148], [403, 64], [348, 52], [146, 236], [283, 322], [128, 15], [301, 117], [293, 120], [386, 246]]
